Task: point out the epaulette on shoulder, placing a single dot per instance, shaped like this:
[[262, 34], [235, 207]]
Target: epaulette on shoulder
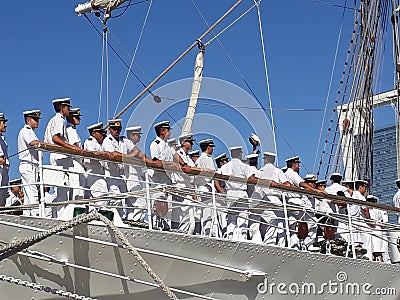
[[157, 141], [110, 138], [122, 137], [90, 139]]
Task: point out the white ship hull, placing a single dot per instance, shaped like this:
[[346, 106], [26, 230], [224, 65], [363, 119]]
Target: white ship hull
[[90, 261]]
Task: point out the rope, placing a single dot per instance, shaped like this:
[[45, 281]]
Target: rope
[[134, 55], [17, 246], [330, 85], [266, 73]]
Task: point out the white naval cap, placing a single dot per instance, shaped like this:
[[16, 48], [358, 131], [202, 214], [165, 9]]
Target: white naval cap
[[75, 112], [252, 156], [310, 177], [221, 156], [115, 123], [3, 118], [63, 101], [96, 126], [293, 159], [162, 124], [236, 148], [32, 113], [186, 138], [134, 129], [194, 153], [208, 142], [269, 154]]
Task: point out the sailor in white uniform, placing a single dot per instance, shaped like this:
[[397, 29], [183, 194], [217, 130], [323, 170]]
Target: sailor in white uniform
[[185, 217], [14, 198], [95, 181], [117, 145], [77, 174], [205, 186], [29, 159], [56, 133], [360, 215], [4, 162], [237, 193], [221, 160], [271, 224], [194, 155], [396, 198], [378, 237], [300, 201], [338, 189], [161, 150], [136, 206]]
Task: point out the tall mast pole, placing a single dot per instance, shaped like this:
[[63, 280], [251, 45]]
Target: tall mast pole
[[396, 54]]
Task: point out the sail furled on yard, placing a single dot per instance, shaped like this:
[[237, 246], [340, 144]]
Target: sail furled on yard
[[194, 96], [348, 145]]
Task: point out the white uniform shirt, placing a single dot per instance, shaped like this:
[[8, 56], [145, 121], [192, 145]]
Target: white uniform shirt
[[396, 203], [73, 136], [270, 172], [55, 126], [110, 144], [161, 150], [11, 199], [91, 144], [293, 177], [205, 161], [354, 209], [133, 173], [236, 168], [182, 178], [334, 188], [4, 149], [27, 153]]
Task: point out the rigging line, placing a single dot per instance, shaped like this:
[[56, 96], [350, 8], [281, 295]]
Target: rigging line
[[330, 86], [266, 73], [107, 74], [204, 103], [134, 55], [242, 77], [101, 77], [124, 11], [115, 51], [230, 58], [230, 25], [334, 5]]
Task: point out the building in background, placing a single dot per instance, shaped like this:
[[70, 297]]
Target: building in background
[[385, 166]]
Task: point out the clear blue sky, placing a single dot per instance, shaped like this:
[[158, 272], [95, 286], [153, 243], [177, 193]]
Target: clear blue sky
[[49, 52]]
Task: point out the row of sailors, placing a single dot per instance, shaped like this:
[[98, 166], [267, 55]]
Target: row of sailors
[[123, 179]]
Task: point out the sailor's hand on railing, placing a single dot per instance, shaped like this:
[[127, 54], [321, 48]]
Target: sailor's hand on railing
[[77, 149], [2, 160], [185, 168]]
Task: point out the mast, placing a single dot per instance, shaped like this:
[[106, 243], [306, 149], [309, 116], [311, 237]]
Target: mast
[[198, 76], [396, 54]]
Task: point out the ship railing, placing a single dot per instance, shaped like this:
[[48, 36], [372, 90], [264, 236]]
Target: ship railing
[[151, 192]]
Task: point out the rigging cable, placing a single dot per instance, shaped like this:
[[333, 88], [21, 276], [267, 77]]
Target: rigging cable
[[107, 74], [115, 51], [101, 77], [330, 86], [266, 75], [243, 78], [134, 55]]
